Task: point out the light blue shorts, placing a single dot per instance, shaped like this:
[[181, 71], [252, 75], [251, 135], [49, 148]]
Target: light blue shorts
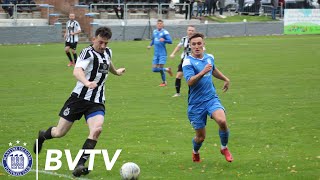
[[197, 113], [159, 59]]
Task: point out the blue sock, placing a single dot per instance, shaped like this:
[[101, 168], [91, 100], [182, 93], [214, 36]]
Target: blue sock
[[196, 146], [156, 69], [163, 74], [224, 136]]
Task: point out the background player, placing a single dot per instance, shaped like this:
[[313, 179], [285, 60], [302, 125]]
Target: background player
[[184, 42], [71, 36], [160, 38]]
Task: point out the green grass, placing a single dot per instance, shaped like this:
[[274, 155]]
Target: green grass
[[240, 18], [272, 110]]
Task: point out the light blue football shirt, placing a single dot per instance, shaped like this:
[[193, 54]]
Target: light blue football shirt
[[160, 47], [204, 89]]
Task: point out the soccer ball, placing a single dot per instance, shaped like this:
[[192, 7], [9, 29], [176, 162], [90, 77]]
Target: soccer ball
[[129, 171]]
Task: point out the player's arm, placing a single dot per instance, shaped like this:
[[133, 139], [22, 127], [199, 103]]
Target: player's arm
[[66, 33], [175, 51], [79, 75], [115, 71], [194, 79], [219, 75], [167, 38], [79, 68], [151, 43], [189, 74], [78, 31]]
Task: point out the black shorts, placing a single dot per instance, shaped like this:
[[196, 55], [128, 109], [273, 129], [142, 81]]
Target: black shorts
[[180, 66], [71, 45], [74, 108]]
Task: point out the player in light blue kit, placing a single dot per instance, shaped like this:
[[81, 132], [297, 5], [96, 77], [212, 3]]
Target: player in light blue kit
[[203, 99], [160, 38]]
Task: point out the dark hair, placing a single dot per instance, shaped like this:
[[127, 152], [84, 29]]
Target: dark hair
[[159, 20], [104, 32], [196, 35]]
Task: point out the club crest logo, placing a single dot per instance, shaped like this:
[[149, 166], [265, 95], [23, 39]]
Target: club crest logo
[[17, 160], [66, 111]]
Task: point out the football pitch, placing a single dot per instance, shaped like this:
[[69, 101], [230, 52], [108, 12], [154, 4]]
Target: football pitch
[[273, 110]]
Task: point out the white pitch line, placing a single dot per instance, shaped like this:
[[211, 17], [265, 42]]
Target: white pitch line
[[60, 175], [55, 174], [37, 159]]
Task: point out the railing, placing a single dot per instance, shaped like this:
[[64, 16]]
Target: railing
[[267, 10], [147, 9], [7, 7], [143, 7], [173, 7], [26, 8]]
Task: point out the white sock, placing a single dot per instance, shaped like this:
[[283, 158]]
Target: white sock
[[223, 147], [195, 152]]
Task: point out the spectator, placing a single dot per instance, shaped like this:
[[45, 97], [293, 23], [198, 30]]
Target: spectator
[[180, 6], [8, 8], [240, 7], [199, 7], [189, 8], [282, 4], [118, 8], [220, 6], [275, 4], [211, 7]]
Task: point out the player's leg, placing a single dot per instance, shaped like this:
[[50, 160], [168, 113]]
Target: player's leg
[[155, 64], [74, 52], [156, 68], [163, 75], [178, 80], [198, 119], [95, 127], [95, 119], [72, 110], [197, 143], [162, 62], [53, 132], [67, 50], [218, 114]]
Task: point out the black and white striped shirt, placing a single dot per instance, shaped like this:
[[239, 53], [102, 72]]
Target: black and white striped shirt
[[184, 42], [96, 68], [71, 27]]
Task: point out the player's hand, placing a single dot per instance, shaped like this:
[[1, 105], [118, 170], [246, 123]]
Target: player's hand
[[161, 39], [91, 84], [121, 71], [171, 55], [207, 68], [226, 85], [148, 47]]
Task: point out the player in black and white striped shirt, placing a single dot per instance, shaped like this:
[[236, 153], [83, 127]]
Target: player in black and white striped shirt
[[184, 43], [87, 98], [71, 36]]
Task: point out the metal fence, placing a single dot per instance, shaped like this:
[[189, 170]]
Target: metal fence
[[170, 11], [139, 10], [23, 11]]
